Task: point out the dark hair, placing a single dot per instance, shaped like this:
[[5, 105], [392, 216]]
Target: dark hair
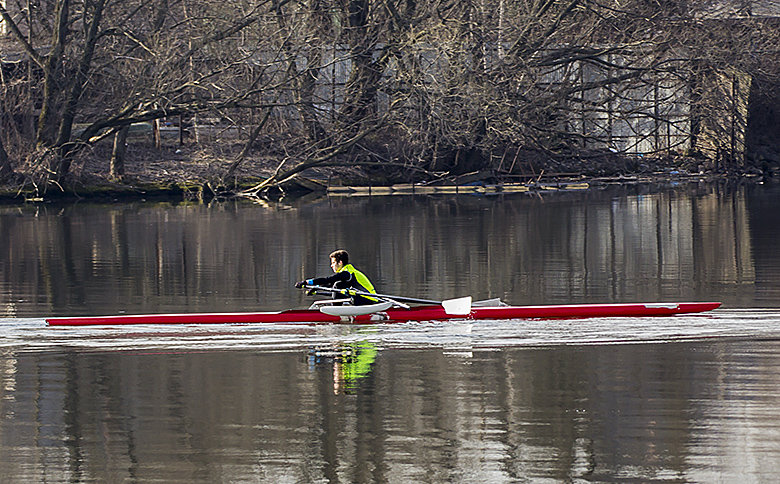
[[340, 255]]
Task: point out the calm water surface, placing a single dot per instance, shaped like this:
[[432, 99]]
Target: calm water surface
[[683, 399]]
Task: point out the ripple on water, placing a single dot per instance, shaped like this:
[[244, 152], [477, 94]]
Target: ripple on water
[[457, 336]]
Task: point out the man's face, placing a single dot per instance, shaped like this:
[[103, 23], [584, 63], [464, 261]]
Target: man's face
[[336, 265]]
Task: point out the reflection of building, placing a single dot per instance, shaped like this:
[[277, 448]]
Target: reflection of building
[[671, 242], [658, 246], [680, 236]]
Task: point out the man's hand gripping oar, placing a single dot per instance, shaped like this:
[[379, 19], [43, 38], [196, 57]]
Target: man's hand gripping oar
[[459, 306]]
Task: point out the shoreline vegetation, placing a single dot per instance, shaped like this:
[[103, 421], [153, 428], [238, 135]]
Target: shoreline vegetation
[[177, 169], [192, 173], [206, 99]]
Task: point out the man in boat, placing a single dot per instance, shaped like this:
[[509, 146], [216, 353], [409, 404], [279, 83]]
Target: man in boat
[[345, 277]]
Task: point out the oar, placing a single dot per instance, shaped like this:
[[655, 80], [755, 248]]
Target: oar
[[458, 306]]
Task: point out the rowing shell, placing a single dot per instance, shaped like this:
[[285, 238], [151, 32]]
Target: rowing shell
[[418, 313]]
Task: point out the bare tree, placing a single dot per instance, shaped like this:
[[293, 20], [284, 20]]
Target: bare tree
[[566, 75], [438, 87], [130, 67]]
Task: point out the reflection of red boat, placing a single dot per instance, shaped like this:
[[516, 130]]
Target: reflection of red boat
[[417, 313]]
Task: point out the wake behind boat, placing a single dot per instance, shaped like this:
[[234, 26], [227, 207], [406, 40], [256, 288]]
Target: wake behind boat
[[391, 311]]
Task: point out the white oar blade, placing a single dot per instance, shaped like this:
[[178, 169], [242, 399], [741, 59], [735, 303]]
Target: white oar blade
[[459, 307]]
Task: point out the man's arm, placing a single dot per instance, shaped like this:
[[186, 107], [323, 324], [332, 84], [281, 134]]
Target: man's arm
[[342, 276]]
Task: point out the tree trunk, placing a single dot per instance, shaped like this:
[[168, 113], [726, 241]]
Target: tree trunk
[[117, 165], [306, 81], [5, 163], [52, 71], [65, 147], [156, 135], [695, 113], [306, 88], [248, 146], [361, 91], [362, 86]]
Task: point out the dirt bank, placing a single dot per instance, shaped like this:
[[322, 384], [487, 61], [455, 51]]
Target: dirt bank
[[182, 172]]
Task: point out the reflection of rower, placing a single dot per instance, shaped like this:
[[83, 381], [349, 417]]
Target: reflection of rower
[[345, 277], [352, 364]]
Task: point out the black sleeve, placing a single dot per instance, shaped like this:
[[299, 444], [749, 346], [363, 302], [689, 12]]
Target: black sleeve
[[342, 276]]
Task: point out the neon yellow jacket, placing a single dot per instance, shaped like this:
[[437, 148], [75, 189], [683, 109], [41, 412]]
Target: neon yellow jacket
[[347, 278]]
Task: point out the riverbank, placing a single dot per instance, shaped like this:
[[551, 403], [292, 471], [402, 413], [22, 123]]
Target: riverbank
[[189, 172]]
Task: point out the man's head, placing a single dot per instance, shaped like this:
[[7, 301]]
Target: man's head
[[338, 259]]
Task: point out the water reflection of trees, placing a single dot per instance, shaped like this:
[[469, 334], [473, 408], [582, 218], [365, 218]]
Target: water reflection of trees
[[654, 246], [227, 257], [560, 413]]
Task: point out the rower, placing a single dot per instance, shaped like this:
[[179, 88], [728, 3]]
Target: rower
[[345, 277]]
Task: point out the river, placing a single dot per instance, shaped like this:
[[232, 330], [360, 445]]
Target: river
[[687, 398]]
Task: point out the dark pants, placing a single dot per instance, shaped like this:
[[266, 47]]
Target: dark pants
[[356, 300]]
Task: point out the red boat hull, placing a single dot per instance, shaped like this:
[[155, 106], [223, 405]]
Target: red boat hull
[[419, 313]]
